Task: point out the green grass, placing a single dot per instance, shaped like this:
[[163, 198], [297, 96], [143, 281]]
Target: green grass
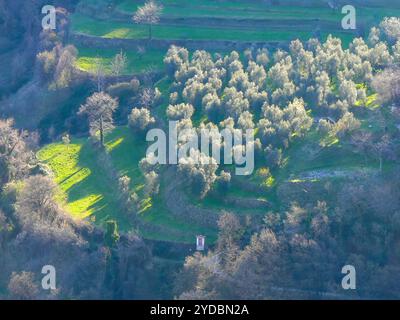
[[126, 151], [122, 30], [87, 189], [89, 194], [230, 9], [259, 10], [153, 58]]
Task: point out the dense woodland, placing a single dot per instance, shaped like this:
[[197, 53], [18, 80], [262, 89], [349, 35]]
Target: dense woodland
[[314, 102]]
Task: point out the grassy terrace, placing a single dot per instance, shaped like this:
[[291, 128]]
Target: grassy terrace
[[284, 20], [124, 30], [281, 26], [249, 10], [258, 10], [152, 58], [90, 194]]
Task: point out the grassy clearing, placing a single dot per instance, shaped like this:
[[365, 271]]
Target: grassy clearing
[[181, 230], [152, 58]]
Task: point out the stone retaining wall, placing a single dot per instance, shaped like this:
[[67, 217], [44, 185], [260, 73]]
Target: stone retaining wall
[[247, 203], [129, 44]]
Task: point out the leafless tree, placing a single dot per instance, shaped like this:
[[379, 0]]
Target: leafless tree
[[22, 286], [382, 147], [148, 14], [119, 63], [387, 84], [99, 109], [15, 158], [362, 143]]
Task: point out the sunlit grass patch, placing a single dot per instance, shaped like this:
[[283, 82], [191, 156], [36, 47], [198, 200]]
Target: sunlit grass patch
[[81, 208], [87, 190], [112, 144], [118, 33], [137, 62], [372, 101], [329, 140]]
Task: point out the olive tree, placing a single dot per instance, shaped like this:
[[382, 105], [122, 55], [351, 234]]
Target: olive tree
[[152, 183], [175, 58], [279, 126], [234, 102], [180, 111], [201, 171], [390, 27], [140, 119], [348, 92], [387, 84]]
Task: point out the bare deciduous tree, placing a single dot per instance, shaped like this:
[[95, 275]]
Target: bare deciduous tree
[[119, 63], [15, 158], [99, 109], [22, 286], [387, 85], [148, 14], [382, 148], [362, 143]]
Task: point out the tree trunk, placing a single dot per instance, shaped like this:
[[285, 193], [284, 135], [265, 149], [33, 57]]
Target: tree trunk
[[101, 131]]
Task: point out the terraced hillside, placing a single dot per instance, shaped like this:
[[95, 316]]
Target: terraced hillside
[[175, 215], [315, 162], [91, 195], [106, 27]]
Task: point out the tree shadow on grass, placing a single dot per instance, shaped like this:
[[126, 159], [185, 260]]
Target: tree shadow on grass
[[97, 189], [71, 176]]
